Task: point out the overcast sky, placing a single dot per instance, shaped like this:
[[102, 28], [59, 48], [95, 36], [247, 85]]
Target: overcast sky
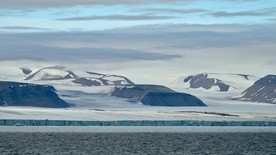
[[149, 41]]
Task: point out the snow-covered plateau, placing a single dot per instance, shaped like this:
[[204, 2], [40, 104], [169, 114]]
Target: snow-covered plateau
[[95, 102]]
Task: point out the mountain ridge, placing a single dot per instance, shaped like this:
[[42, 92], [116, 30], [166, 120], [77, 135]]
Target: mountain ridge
[[218, 82]]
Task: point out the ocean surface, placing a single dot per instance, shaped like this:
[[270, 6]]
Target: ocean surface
[[262, 142]]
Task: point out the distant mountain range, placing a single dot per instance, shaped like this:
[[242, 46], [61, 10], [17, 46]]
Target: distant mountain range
[[26, 94], [152, 95], [215, 82], [61, 74]]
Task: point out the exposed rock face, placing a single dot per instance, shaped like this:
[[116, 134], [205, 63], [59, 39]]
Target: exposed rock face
[[263, 90], [156, 95], [26, 71], [86, 82], [137, 92], [220, 82], [110, 79], [24, 94], [171, 99], [202, 81]]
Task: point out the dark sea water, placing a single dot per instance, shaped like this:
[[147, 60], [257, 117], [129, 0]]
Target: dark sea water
[[250, 143]]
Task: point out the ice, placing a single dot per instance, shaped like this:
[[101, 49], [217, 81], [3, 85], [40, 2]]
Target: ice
[[95, 103], [131, 129], [19, 122]]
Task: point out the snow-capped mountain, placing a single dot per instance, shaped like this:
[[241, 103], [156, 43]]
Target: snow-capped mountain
[[110, 79], [215, 82], [51, 73], [263, 90], [59, 74]]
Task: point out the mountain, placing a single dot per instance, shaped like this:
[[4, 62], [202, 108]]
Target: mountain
[[26, 70], [156, 95], [59, 74], [25, 94], [215, 82], [51, 73], [263, 90], [110, 79]]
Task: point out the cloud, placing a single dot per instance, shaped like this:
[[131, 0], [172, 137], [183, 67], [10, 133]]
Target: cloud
[[24, 28], [167, 51], [272, 19], [133, 43], [169, 10], [38, 47], [43, 53], [34, 4], [120, 17], [262, 12]]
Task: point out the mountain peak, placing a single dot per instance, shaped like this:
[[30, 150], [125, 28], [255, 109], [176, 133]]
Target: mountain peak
[[263, 90], [220, 82]]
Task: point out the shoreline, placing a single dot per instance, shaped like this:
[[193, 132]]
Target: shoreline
[[21, 122], [136, 129]]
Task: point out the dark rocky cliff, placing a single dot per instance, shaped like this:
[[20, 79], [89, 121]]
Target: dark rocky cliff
[[156, 95], [24, 94], [171, 99], [202, 81]]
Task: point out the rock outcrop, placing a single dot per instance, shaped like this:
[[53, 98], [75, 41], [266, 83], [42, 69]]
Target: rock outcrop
[[202, 80], [155, 95], [25, 94], [219, 82], [59, 74], [263, 90]]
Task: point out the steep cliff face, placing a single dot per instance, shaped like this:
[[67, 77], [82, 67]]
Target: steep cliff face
[[24, 94], [171, 99], [155, 95], [137, 92], [263, 90]]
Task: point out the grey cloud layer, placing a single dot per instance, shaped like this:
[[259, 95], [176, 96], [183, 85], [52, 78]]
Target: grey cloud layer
[[29, 46], [121, 17], [167, 50], [168, 10], [131, 44], [166, 13], [44, 53], [262, 12], [23, 28], [30, 4]]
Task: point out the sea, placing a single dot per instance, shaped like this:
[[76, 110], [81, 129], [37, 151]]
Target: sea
[[138, 140]]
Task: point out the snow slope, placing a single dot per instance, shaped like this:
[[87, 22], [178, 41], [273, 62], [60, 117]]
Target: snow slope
[[94, 103], [60, 74], [263, 90], [51, 73]]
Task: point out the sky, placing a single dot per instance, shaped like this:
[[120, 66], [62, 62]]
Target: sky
[[148, 41]]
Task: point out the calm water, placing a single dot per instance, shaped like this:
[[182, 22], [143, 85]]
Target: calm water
[[138, 143]]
